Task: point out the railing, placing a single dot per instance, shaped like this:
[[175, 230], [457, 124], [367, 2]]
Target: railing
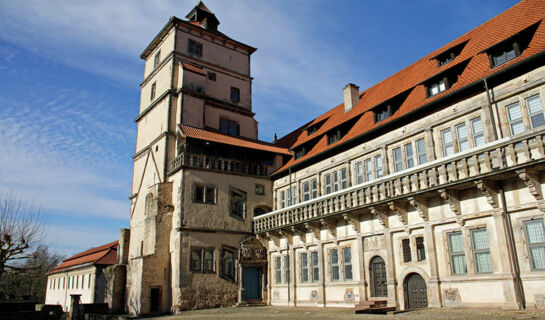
[[473, 164], [199, 161]]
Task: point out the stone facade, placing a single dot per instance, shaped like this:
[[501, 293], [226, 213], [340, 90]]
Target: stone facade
[[440, 208]]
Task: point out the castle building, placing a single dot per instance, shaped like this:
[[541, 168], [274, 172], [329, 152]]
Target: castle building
[[424, 190]]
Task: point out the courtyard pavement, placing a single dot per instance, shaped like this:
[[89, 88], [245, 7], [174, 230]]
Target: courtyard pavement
[[336, 313]]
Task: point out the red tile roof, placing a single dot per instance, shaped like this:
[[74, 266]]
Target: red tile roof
[[499, 28], [206, 135], [103, 255], [193, 68]]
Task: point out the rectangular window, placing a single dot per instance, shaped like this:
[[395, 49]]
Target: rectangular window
[[211, 76], [398, 160], [409, 156], [157, 59], [334, 255], [438, 87], [535, 111], [314, 188], [235, 95], [478, 132], [335, 181], [196, 262], [294, 194], [359, 172], [457, 253], [378, 167], [204, 194], [448, 145], [229, 127], [461, 135], [514, 116], [208, 260], [304, 267], [535, 234], [368, 170], [306, 190], [152, 91], [315, 266], [327, 182], [238, 203], [282, 199], [406, 245], [194, 48], [287, 268], [228, 264], [344, 181], [421, 151], [278, 269], [481, 251], [347, 263], [333, 136], [503, 55], [420, 250]]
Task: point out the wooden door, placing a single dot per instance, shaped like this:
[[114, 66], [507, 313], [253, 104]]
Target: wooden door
[[416, 292], [378, 278]]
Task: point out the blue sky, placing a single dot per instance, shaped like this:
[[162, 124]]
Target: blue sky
[[70, 74]]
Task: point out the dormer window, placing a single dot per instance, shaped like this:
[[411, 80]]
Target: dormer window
[[194, 48], [444, 80], [438, 87], [450, 54], [340, 131], [313, 128], [387, 109], [300, 152], [511, 47], [334, 136]]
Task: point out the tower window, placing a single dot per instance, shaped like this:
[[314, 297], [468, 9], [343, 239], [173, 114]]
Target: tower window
[[194, 48], [211, 76], [235, 95], [238, 203], [229, 127], [152, 93], [157, 59]]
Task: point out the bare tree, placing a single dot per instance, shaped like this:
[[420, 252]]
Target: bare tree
[[21, 226]]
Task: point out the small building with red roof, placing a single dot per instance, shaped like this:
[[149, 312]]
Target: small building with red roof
[[81, 274]]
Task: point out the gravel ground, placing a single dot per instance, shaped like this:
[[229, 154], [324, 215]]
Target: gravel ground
[[336, 313]]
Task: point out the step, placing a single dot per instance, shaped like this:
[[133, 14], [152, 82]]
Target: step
[[376, 310]]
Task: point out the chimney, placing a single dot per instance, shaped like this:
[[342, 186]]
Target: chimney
[[351, 94]]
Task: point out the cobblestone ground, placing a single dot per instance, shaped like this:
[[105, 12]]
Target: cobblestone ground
[[335, 313]]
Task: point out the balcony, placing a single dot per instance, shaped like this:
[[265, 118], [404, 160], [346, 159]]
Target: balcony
[[205, 162], [477, 167]]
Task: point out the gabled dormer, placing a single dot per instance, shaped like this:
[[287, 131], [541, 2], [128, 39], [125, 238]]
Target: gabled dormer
[[386, 109], [206, 18], [450, 54], [511, 47], [444, 80]]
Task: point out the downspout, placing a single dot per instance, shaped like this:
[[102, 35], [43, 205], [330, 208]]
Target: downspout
[[519, 289]]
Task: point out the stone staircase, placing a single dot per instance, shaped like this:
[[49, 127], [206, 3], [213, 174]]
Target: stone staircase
[[373, 306]]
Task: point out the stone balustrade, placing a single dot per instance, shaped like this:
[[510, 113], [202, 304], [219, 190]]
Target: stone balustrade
[[199, 161], [472, 166]]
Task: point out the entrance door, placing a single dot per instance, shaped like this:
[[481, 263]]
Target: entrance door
[[155, 300], [416, 293], [251, 283], [378, 278]]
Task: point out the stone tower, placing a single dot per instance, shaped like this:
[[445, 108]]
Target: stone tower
[[199, 170]]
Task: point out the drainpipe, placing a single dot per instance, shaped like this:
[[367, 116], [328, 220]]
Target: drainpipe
[[492, 117], [512, 250]]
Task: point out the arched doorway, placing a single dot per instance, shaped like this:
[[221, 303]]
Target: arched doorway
[[377, 271], [416, 293]]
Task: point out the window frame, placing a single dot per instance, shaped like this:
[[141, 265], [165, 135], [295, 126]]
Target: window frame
[[530, 115], [206, 188], [529, 245], [153, 90], [223, 273], [406, 250], [476, 252], [202, 251], [244, 196], [278, 269], [334, 265], [194, 48], [315, 266], [157, 59], [304, 267], [420, 248], [457, 253], [347, 266], [229, 127], [235, 95]]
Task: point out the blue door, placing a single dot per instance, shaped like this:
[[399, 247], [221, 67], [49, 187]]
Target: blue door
[[251, 283]]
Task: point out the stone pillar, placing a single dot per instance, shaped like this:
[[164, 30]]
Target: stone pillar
[[269, 277], [390, 270], [322, 299], [293, 276], [362, 288], [430, 145], [434, 288], [513, 300]]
